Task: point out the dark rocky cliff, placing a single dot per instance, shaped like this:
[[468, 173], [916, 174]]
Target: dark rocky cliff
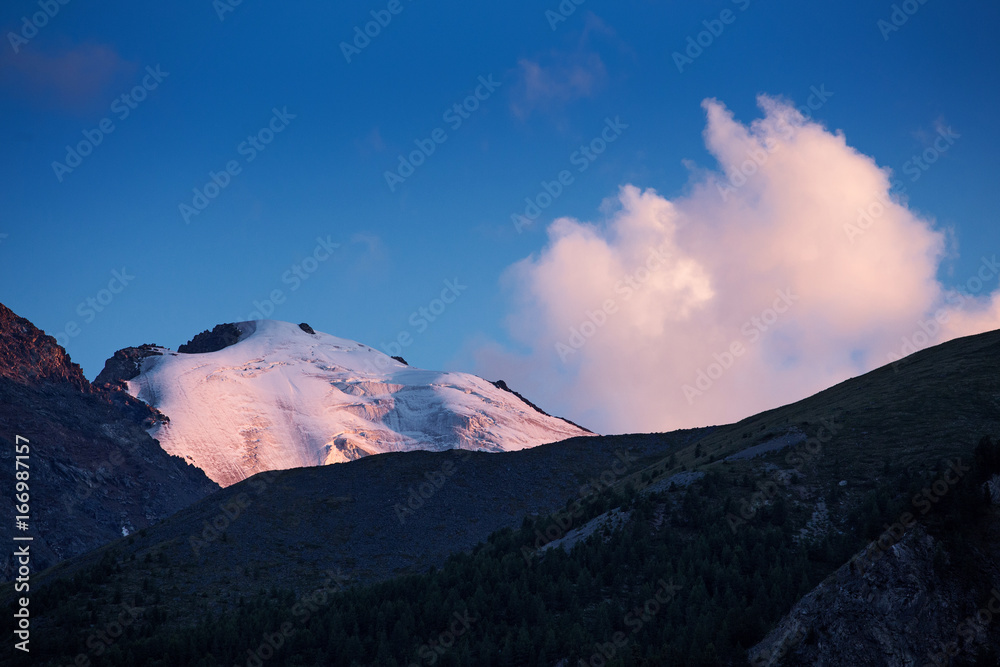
[[926, 599], [94, 471]]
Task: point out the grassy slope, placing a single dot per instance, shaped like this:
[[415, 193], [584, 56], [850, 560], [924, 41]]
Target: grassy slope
[[911, 415]]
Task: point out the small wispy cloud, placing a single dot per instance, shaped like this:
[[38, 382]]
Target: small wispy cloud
[[370, 143], [553, 82], [75, 80], [367, 258]]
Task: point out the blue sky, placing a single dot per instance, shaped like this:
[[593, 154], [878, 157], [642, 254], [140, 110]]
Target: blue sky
[[323, 174]]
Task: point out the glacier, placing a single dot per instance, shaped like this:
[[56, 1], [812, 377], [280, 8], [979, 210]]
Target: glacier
[[282, 397]]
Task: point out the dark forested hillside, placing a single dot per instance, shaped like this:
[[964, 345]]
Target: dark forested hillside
[[762, 542], [674, 581]]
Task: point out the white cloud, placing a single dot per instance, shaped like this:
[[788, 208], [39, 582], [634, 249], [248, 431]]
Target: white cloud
[[766, 256]]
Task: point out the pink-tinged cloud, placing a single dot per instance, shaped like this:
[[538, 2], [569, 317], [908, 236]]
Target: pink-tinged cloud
[[789, 269], [77, 80]]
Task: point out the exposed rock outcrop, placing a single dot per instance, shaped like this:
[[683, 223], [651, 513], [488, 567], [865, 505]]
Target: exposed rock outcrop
[[220, 337], [124, 365], [501, 384], [919, 603], [30, 357]]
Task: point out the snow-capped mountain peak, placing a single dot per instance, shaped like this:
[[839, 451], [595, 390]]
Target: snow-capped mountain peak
[[279, 395]]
